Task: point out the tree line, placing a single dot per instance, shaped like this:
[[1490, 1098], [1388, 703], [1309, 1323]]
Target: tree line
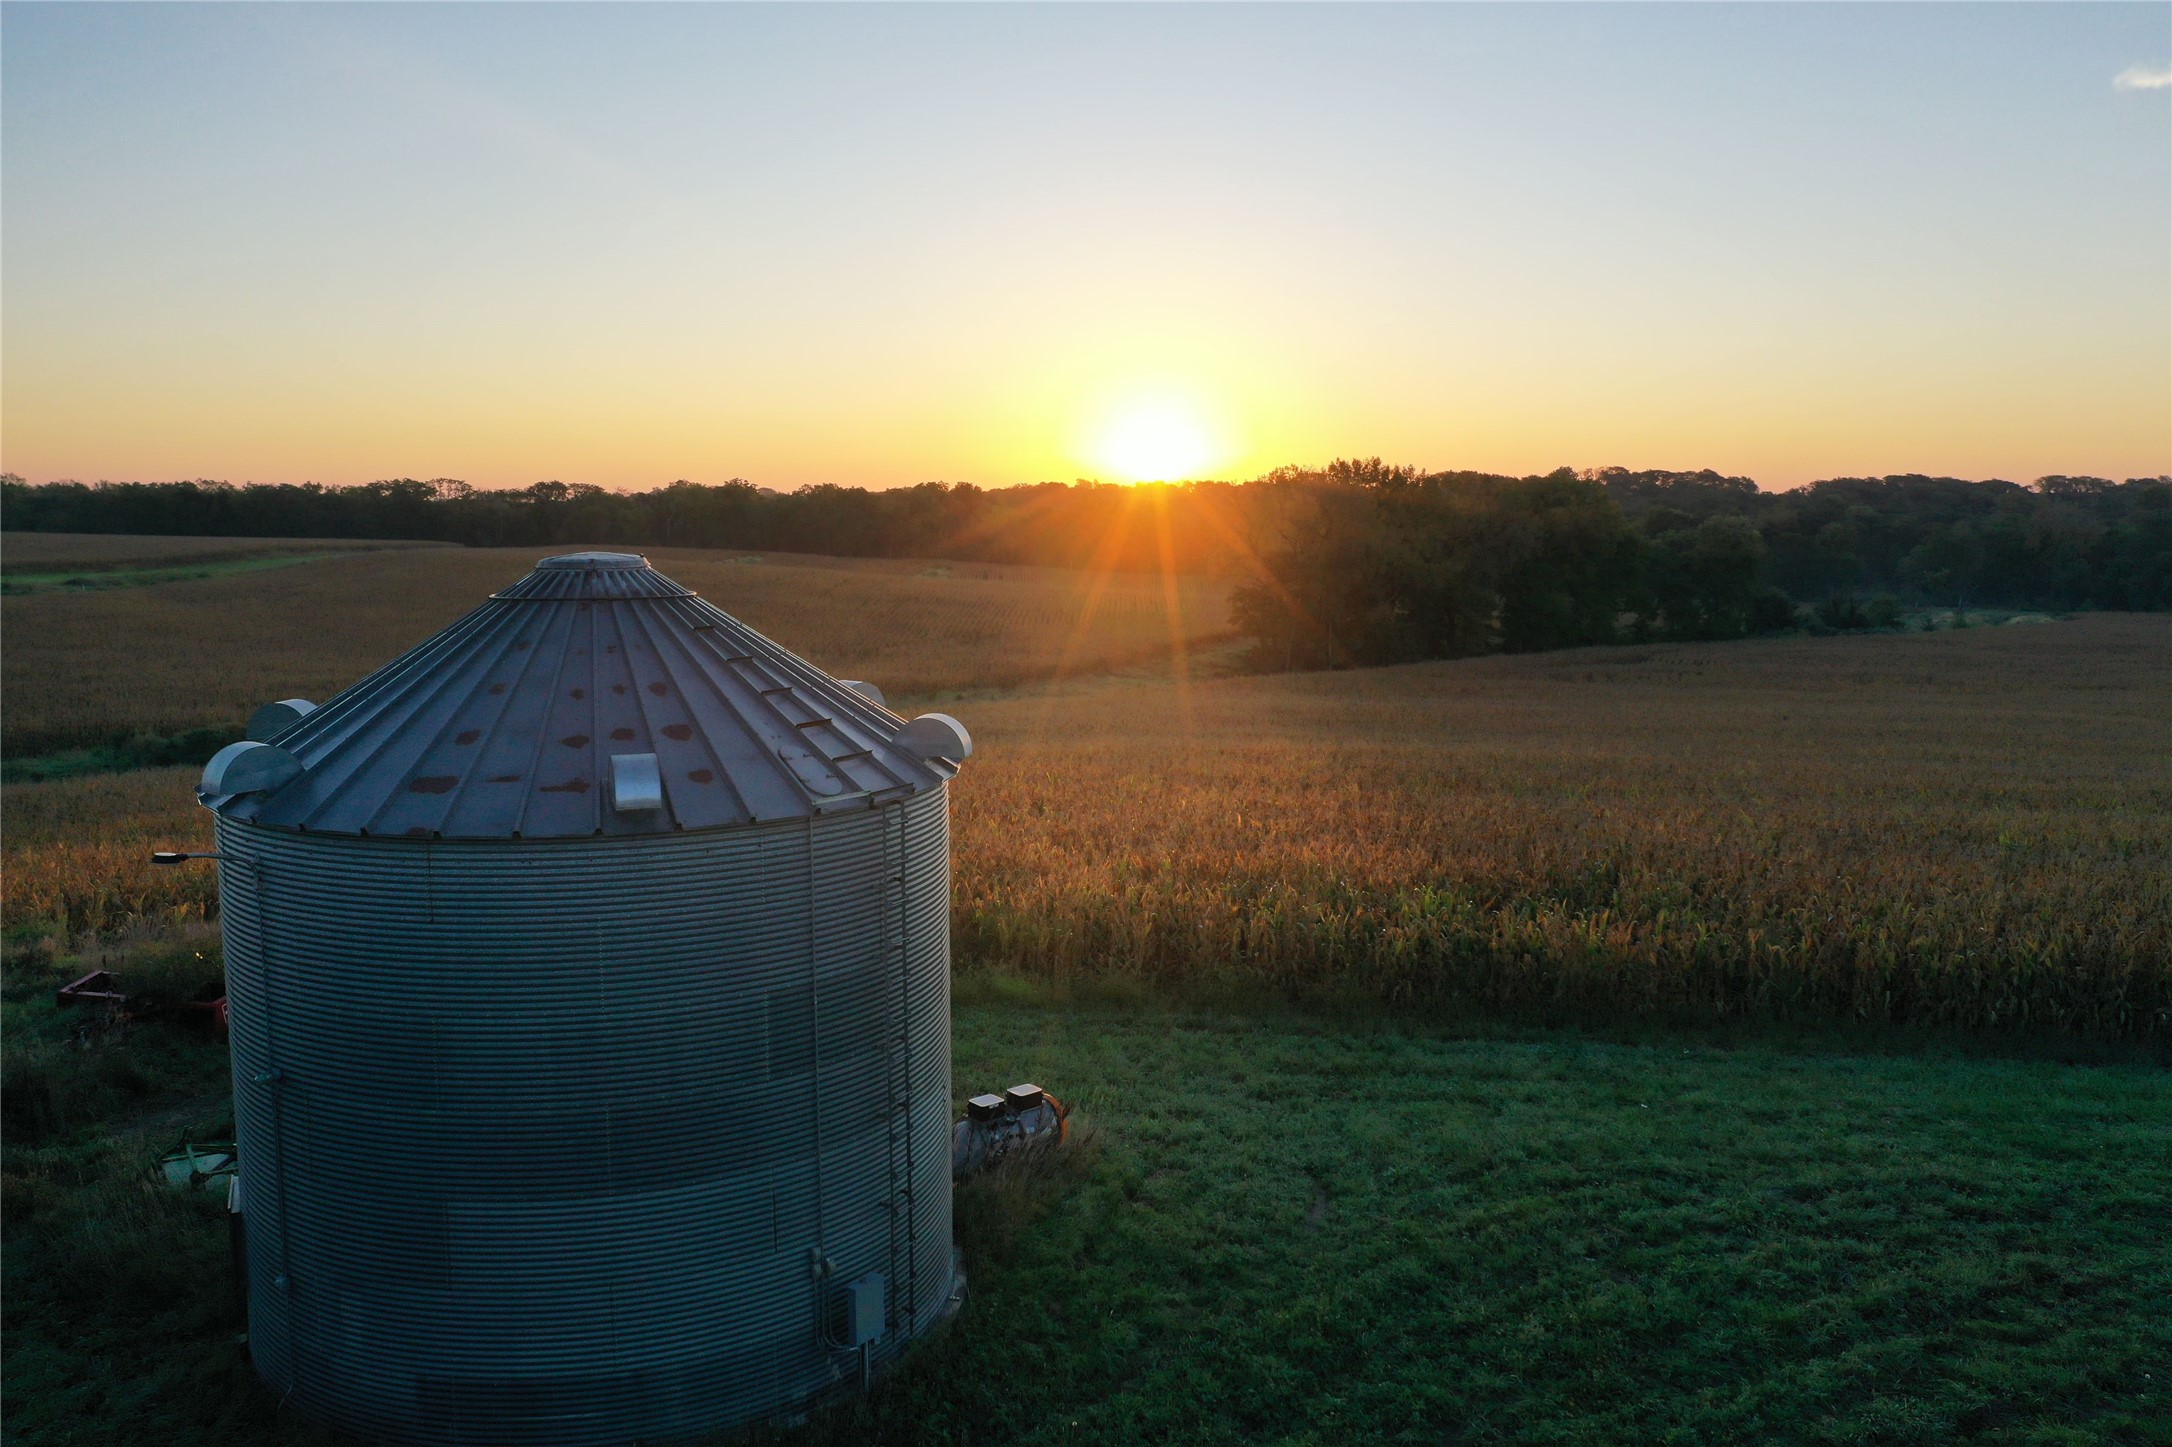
[[1386, 564], [1190, 526], [1359, 561], [2060, 542]]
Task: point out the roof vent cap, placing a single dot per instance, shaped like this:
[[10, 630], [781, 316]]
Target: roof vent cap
[[274, 719], [249, 768], [637, 784], [936, 736], [593, 562]]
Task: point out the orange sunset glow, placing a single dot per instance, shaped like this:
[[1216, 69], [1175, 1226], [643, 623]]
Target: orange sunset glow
[[348, 243]]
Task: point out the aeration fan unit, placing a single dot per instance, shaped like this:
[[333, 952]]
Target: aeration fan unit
[[1022, 1120]]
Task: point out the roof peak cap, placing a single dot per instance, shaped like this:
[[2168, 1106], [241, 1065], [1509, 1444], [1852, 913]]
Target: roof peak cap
[[592, 562]]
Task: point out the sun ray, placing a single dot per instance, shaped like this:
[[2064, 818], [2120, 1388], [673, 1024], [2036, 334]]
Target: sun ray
[[1172, 601], [1099, 570], [998, 522], [1206, 506]]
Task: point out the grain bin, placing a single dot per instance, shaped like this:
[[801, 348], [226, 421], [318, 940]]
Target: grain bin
[[589, 967]]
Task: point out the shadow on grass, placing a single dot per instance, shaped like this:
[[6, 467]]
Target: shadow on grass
[[994, 1214], [1353, 1011]]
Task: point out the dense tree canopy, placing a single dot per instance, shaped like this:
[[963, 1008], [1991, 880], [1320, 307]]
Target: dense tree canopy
[[2064, 542], [1357, 561]]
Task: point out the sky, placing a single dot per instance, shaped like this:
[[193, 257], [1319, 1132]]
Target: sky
[[877, 245]]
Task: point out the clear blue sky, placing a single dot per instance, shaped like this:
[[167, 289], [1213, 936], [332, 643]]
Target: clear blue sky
[[876, 244]]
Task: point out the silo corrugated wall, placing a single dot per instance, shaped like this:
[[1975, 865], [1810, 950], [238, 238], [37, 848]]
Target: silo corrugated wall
[[568, 1141]]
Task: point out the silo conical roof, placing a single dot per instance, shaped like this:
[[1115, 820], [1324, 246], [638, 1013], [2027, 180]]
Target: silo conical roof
[[515, 721]]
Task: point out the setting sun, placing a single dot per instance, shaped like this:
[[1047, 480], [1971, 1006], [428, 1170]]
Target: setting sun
[[1157, 441]]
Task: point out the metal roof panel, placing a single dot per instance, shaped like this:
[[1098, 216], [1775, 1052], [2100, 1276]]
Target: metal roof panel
[[504, 724]]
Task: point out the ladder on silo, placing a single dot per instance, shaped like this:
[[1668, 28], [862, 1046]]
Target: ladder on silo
[[904, 1300]]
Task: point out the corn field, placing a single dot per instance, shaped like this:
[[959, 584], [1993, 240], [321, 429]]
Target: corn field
[[1969, 829], [83, 669]]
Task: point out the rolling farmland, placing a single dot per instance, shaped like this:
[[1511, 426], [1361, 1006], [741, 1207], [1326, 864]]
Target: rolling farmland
[[97, 562], [205, 653], [1295, 946], [22, 552], [1971, 828]]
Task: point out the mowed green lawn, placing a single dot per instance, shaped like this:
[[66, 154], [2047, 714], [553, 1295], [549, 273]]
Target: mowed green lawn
[[1293, 1232], [1285, 1230]]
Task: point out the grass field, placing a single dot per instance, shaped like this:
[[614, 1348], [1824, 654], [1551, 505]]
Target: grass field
[[79, 562], [144, 577], [105, 552], [206, 653], [1282, 1230]]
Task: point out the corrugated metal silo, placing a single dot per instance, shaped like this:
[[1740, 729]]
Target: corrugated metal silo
[[589, 968]]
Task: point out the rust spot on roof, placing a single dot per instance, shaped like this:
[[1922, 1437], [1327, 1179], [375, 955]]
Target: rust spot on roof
[[433, 784], [658, 689], [618, 688], [580, 693], [467, 736], [700, 776], [624, 733], [678, 731], [505, 778], [575, 741], [570, 786], [497, 688]]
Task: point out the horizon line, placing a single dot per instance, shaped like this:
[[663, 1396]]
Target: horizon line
[[1590, 474]]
